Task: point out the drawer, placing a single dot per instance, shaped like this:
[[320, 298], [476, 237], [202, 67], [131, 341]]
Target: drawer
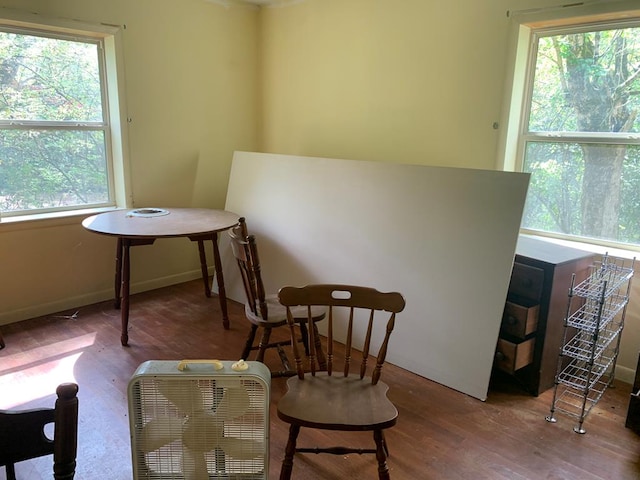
[[526, 281], [513, 356], [520, 320]]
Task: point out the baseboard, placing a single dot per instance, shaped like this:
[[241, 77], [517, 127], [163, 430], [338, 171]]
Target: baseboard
[[40, 310], [625, 374]]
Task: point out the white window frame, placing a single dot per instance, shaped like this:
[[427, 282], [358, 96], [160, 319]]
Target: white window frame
[[109, 38], [525, 28]]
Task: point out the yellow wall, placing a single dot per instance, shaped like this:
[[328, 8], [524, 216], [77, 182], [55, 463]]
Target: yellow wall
[[407, 81]]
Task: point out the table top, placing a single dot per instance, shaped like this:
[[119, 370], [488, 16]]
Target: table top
[[160, 222]]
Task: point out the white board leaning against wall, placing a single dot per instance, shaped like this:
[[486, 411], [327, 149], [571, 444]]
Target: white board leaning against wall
[[443, 237]]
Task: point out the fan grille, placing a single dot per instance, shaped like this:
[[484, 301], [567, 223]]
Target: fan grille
[[190, 404]]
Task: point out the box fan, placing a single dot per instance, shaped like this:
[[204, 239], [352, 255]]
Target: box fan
[[199, 420]]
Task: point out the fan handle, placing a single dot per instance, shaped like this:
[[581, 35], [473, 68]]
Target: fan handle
[[217, 364]]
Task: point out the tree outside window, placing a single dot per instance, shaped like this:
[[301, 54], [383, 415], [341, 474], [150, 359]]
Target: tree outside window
[[581, 135], [53, 127]]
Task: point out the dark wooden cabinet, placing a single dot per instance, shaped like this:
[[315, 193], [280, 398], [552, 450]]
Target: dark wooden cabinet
[[633, 412], [532, 324]]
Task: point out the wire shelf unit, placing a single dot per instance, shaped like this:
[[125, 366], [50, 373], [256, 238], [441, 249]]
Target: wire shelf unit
[[593, 326], [605, 278], [586, 346], [574, 403], [592, 314]]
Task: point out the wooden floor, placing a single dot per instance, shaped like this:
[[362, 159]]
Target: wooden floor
[[441, 434]]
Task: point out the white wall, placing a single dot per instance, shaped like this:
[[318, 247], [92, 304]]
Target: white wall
[[443, 237]]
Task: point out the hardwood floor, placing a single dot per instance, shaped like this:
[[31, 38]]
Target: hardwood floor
[[441, 433]]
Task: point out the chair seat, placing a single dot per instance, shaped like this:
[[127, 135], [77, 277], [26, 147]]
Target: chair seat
[[337, 403], [278, 313]]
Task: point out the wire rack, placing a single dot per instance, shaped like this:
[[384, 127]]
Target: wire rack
[[605, 278], [591, 338], [587, 345], [582, 375], [576, 404], [596, 314]]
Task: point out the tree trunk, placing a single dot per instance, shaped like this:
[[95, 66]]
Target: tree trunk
[[601, 187]]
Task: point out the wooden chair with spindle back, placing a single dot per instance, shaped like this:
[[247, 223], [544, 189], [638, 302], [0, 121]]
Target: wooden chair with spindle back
[[336, 398], [22, 435], [265, 311]]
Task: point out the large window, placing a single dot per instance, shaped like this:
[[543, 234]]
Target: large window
[[580, 132], [55, 131]]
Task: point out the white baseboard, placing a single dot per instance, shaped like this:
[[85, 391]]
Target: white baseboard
[[625, 374], [39, 310]]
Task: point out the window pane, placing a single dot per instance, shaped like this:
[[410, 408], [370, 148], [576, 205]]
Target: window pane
[[49, 79], [52, 169], [587, 190], [587, 82]]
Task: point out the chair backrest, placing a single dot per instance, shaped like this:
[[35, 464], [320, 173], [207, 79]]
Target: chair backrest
[[245, 250], [22, 434], [349, 304]]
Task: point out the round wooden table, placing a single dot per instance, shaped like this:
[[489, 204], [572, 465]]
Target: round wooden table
[[144, 225]]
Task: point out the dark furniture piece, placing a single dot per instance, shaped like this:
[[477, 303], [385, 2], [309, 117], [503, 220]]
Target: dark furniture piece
[[144, 226], [531, 331], [337, 399], [633, 413], [1, 341], [264, 311], [22, 434]]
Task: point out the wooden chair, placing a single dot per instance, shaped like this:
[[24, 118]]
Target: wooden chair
[[337, 399], [22, 434], [262, 310]]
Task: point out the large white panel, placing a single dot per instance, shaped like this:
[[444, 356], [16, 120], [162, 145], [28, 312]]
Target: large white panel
[[443, 237]]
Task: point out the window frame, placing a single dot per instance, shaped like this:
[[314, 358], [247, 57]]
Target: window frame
[[526, 28], [526, 135], [108, 38]]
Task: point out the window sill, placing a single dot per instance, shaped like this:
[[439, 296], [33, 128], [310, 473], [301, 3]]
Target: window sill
[[589, 247], [46, 220]]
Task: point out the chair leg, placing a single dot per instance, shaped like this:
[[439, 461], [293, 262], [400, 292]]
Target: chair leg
[[249, 343], [264, 342], [289, 451], [381, 456]]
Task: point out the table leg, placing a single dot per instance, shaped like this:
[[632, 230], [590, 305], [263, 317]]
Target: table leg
[[203, 267], [125, 273], [118, 279], [1, 341], [222, 294]]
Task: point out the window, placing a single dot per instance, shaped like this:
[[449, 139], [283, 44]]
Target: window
[[579, 133], [56, 131]]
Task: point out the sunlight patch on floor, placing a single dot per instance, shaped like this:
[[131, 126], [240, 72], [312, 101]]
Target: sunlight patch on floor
[[33, 374]]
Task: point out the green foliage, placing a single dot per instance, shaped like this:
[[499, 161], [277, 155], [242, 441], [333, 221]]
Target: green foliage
[[49, 165], [585, 91]]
